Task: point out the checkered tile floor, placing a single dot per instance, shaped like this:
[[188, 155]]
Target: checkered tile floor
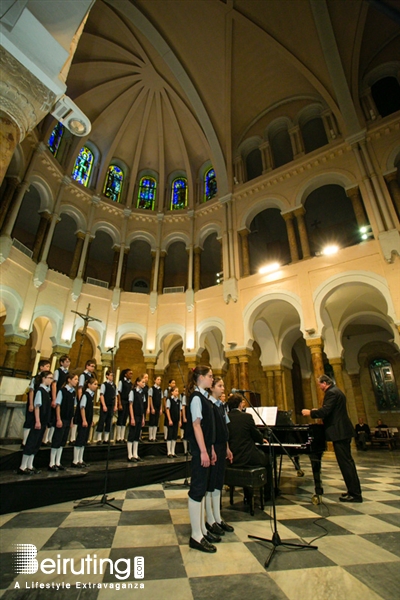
[[358, 558]]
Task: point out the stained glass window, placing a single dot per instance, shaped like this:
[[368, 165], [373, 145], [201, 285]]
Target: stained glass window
[[384, 384], [55, 139], [210, 185], [147, 193], [179, 193], [113, 184], [83, 166]]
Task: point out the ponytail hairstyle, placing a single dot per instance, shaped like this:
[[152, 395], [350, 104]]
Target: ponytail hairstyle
[[123, 373], [40, 376], [87, 383], [216, 378], [68, 377], [139, 378], [194, 375]]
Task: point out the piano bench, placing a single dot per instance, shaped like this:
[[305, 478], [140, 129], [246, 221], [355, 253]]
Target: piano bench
[[249, 478]]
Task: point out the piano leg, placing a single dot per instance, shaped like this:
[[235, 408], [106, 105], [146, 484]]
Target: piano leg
[[315, 460]]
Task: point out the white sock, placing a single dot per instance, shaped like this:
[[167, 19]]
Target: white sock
[[202, 519], [135, 449], [216, 504], [185, 446], [72, 436], [123, 429], [169, 447], [129, 447], [81, 451], [173, 446], [76, 455], [50, 434], [46, 436], [165, 432], [58, 457], [195, 519], [106, 436], [209, 508], [30, 461], [25, 436], [53, 454], [24, 462], [97, 436]]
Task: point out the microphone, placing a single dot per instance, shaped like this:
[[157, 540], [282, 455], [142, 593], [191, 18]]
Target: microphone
[[235, 391], [111, 349]]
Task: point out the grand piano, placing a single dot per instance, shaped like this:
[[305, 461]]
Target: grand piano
[[296, 440]]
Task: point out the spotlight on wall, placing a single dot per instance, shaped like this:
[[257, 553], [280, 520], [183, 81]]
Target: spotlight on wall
[[329, 250], [67, 112], [366, 232], [219, 277], [269, 268]]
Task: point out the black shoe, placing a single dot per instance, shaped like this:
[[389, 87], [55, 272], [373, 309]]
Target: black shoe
[[35, 471], [211, 538], [24, 472], [203, 546], [60, 467], [225, 527], [76, 465], [170, 456], [351, 498], [215, 529], [53, 468], [138, 459], [174, 456], [104, 442], [133, 459], [83, 465], [345, 494]]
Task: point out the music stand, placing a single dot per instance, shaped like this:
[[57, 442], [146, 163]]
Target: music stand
[[276, 540], [104, 500]]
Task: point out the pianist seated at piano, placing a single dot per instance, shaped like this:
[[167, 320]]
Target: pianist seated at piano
[[363, 434], [339, 430], [243, 437]]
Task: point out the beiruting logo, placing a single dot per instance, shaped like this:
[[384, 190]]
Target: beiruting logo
[[26, 563]]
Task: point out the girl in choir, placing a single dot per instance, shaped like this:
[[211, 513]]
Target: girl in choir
[[155, 400], [124, 389], [59, 378], [65, 408], [214, 523], [43, 365], [108, 406], [201, 435], [88, 373], [137, 418], [183, 424], [173, 415], [42, 405], [85, 421], [167, 393]]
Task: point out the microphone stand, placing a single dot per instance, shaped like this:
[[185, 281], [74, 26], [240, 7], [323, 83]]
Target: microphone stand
[[276, 540], [104, 500]]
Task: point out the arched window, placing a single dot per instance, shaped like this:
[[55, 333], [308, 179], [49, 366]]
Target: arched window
[[83, 166], [281, 147], [113, 183], [210, 184], [179, 193], [314, 134], [254, 165], [386, 95], [147, 193], [384, 384], [55, 139]]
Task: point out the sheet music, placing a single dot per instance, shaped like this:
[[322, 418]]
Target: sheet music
[[267, 413]]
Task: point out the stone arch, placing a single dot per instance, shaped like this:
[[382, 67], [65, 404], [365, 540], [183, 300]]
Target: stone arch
[[345, 179], [131, 328], [112, 231], [207, 230], [211, 334], [45, 193], [13, 305], [143, 236], [177, 236], [55, 317], [276, 201], [75, 214]]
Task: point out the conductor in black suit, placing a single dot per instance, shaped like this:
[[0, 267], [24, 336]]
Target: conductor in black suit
[[339, 430]]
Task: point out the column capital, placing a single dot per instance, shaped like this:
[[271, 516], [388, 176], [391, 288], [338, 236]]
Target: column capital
[[150, 361], [336, 361], [59, 350], [315, 344], [197, 250], [242, 353], [288, 215], [299, 211], [244, 232], [14, 338], [352, 191]]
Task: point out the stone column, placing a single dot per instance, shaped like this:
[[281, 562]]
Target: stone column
[[316, 346], [150, 368], [329, 122], [40, 235], [239, 169], [394, 190], [234, 371], [301, 225], [197, 268], [55, 217], [244, 372], [356, 200], [8, 198], [244, 237], [337, 366], [266, 156], [114, 268], [153, 267], [278, 388], [269, 374], [191, 363], [13, 343], [80, 236], [124, 269], [86, 258], [294, 253], [358, 397], [161, 269], [297, 141], [368, 105]]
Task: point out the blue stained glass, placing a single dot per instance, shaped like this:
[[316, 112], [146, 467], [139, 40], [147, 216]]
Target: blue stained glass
[[179, 193], [113, 184], [210, 185], [147, 193], [83, 166], [55, 139]]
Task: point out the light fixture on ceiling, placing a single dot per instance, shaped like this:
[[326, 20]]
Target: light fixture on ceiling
[[270, 268], [67, 112], [329, 250]]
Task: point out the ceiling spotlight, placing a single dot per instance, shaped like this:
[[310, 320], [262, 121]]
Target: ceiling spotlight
[[270, 268], [329, 250], [77, 127]]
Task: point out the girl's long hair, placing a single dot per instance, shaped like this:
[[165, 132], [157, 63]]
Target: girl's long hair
[[194, 375]]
